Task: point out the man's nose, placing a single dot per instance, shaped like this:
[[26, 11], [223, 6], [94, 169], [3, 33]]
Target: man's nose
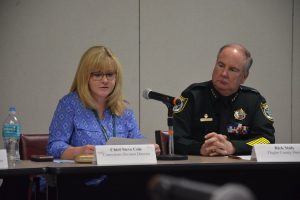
[[224, 72]]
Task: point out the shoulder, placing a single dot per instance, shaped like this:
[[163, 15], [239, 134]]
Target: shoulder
[[191, 93], [70, 102], [127, 112], [250, 92], [127, 117], [197, 87], [71, 97], [252, 96]]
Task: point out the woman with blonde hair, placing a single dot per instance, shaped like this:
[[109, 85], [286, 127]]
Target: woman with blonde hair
[[94, 110]]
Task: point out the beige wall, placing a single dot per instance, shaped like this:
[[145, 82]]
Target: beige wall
[[296, 76], [181, 40], [164, 45]]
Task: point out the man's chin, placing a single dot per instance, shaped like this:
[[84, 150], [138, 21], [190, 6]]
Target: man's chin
[[224, 91], [221, 87]]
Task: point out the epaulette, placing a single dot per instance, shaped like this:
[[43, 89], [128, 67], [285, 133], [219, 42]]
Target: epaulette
[[248, 89], [199, 85]]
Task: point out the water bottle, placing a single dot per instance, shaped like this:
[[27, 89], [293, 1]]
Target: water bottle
[[11, 131]]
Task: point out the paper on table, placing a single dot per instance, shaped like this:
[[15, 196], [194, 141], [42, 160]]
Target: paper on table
[[126, 141], [63, 161], [245, 157]]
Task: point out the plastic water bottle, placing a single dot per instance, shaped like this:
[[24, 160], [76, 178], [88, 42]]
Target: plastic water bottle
[[11, 131]]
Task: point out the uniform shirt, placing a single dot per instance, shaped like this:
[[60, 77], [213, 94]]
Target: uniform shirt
[[75, 125], [248, 120]]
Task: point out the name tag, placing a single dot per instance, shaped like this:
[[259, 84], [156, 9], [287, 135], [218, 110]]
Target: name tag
[[276, 153], [142, 154], [3, 159]]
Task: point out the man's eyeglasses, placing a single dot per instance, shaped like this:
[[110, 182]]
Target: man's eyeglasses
[[97, 76]]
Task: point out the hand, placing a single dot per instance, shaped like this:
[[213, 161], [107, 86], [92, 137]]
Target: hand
[[157, 149], [87, 149], [71, 152], [216, 145]]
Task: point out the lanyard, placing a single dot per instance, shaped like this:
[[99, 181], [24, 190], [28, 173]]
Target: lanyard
[[102, 127]]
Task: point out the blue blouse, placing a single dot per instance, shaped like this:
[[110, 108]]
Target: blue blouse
[[75, 125]]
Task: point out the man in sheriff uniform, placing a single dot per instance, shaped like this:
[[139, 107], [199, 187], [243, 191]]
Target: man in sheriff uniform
[[221, 117]]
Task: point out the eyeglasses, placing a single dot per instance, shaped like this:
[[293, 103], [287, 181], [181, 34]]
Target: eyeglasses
[[97, 76]]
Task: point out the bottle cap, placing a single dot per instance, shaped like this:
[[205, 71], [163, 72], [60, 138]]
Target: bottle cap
[[12, 109]]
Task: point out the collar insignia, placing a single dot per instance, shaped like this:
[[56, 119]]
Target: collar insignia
[[239, 114], [213, 93], [235, 96], [205, 118]]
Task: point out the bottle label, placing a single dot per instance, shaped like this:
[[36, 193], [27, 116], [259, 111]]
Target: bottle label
[[10, 130]]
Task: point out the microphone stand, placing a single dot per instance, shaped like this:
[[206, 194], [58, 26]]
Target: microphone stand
[[171, 155]]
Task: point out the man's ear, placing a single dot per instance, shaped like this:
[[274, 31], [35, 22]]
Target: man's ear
[[245, 76]]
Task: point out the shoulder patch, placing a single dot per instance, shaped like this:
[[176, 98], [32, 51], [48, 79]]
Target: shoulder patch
[[180, 107], [266, 111]]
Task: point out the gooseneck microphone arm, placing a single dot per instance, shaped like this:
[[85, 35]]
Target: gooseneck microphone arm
[[167, 100], [170, 102]]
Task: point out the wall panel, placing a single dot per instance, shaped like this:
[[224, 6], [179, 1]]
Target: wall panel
[[41, 43], [180, 40], [296, 75]]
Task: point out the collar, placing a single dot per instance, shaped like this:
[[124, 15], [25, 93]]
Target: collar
[[216, 95]]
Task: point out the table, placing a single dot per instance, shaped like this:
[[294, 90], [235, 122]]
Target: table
[[25, 167], [16, 179], [278, 180]]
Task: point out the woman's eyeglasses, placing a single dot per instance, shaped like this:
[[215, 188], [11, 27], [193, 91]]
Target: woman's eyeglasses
[[97, 76]]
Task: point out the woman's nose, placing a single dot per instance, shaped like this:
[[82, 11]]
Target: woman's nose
[[104, 79]]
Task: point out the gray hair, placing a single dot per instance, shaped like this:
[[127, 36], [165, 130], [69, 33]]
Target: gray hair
[[249, 59]]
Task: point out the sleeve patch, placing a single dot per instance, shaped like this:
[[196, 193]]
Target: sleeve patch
[[266, 111], [180, 107], [261, 140]]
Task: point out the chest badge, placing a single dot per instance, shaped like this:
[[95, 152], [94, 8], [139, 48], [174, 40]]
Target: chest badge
[[239, 114], [205, 118]]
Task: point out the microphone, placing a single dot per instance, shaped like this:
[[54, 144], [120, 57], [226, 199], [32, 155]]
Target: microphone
[[164, 187], [168, 100]]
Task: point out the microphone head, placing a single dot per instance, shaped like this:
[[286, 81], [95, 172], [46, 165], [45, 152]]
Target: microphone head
[[146, 93]]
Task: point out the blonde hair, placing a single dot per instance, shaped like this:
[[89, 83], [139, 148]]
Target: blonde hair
[[99, 59]]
